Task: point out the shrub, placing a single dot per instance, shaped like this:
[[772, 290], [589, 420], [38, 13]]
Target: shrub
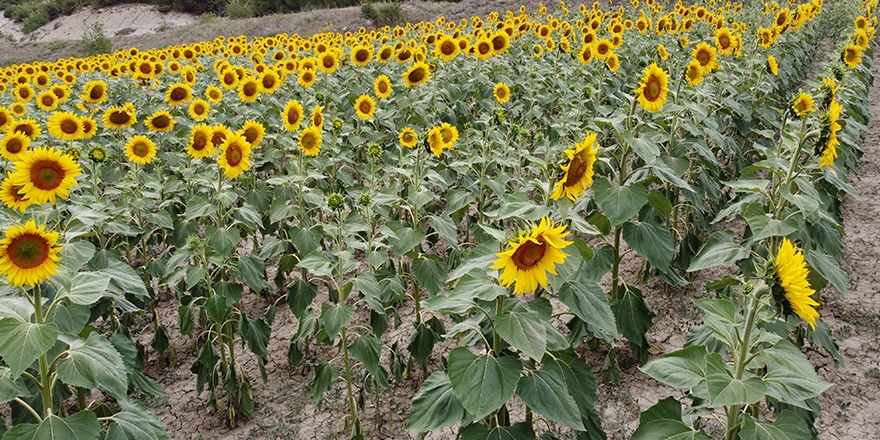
[[94, 41], [386, 14], [239, 9], [35, 20]]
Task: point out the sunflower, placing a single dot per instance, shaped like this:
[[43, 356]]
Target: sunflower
[[13, 145], [416, 75], [61, 92], [98, 154], [200, 144], [662, 52], [94, 92], [328, 62], [683, 42], [707, 56], [317, 116], [119, 117], [234, 156], [89, 127], [219, 134], [602, 48], [18, 109], [586, 55], [140, 150], [502, 92], [435, 141], [725, 40], [531, 256], [65, 126], [382, 85], [198, 109], [829, 153], [578, 172], [229, 79], [178, 93], [483, 48], [408, 137], [28, 255], [653, 88], [160, 122], [47, 101], [10, 196], [792, 273], [361, 55], [694, 73], [5, 119], [292, 115], [270, 81], [249, 89], [448, 135], [29, 127], [802, 105], [852, 55], [500, 43], [446, 48], [253, 132], [214, 94], [772, 65], [45, 173], [612, 62], [365, 106], [310, 141], [23, 92], [306, 77]]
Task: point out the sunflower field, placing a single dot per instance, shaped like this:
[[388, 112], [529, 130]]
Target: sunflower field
[[448, 204]]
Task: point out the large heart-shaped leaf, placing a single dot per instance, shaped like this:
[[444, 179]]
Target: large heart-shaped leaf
[[482, 383], [94, 362], [435, 405], [21, 343]]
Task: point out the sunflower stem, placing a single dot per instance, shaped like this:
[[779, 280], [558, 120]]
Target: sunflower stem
[[734, 417], [496, 338], [45, 378]]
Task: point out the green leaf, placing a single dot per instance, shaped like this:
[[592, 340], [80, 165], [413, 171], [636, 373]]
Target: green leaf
[[546, 393], [654, 242], [16, 307], [135, 422], [822, 336], [482, 383], [721, 317], [660, 202], [517, 431], [634, 316], [80, 426], [578, 378], [94, 363], [763, 225], [422, 342], [431, 272], [720, 250], [646, 149], [475, 284], [445, 226], [325, 374], [790, 376], [367, 349], [829, 269], [8, 388], [317, 263], [124, 279], [663, 422], [587, 301], [222, 240], [252, 271], [435, 406], [519, 205], [76, 254], [788, 426], [334, 317], [684, 368], [86, 288], [21, 343], [70, 319], [523, 329], [404, 240], [255, 333], [619, 203], [197, 207], [724, 390], [300, 295]]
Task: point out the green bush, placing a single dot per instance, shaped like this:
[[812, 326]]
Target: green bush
[[35, 20], [94, 41], [386, 14], [239, 9]]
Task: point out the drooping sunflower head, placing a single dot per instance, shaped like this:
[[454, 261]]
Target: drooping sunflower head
[[828, 138], [140, 150], [234, 156], [531, 256], [253, 132], [435, 141], [310, 141], [578, 171], [792, 290], [65, 126], [200, 144], [772, 65], [97, 154], [317, 116], [45, 173], [13, 145], [653, 88], [662, 52], [408, 137], [612, 62], [802, 105], [28, 255], [365, 106]]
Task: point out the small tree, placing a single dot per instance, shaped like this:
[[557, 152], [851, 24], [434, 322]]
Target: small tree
[[94, 41]]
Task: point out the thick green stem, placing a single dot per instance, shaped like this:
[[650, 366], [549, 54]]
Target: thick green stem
[[615, 268], [734, 418], [45, 378], [352, 405], [496, 338]]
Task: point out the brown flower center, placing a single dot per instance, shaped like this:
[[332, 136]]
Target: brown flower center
[[28, 251], [120, 117], [97, 92], [417, 75], [178, 94], [47, 175], [528, 254], [234, 155], [69, 126]]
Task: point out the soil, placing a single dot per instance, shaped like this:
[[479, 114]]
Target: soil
[[285, 409]]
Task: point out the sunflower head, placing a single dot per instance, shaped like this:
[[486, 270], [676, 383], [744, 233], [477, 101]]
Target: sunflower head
[[45, 173], [577, 172], [234, 156], [653, 88], [28, 255], [533, 254], [11, 197], [292, 115], [502, 92], [253, 133], [310, 141], [408, 137], [97, 154], [140, 150], [13, 145], [802, 105], [792, 291], [160, 122], [417, 75], [772, 65]]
